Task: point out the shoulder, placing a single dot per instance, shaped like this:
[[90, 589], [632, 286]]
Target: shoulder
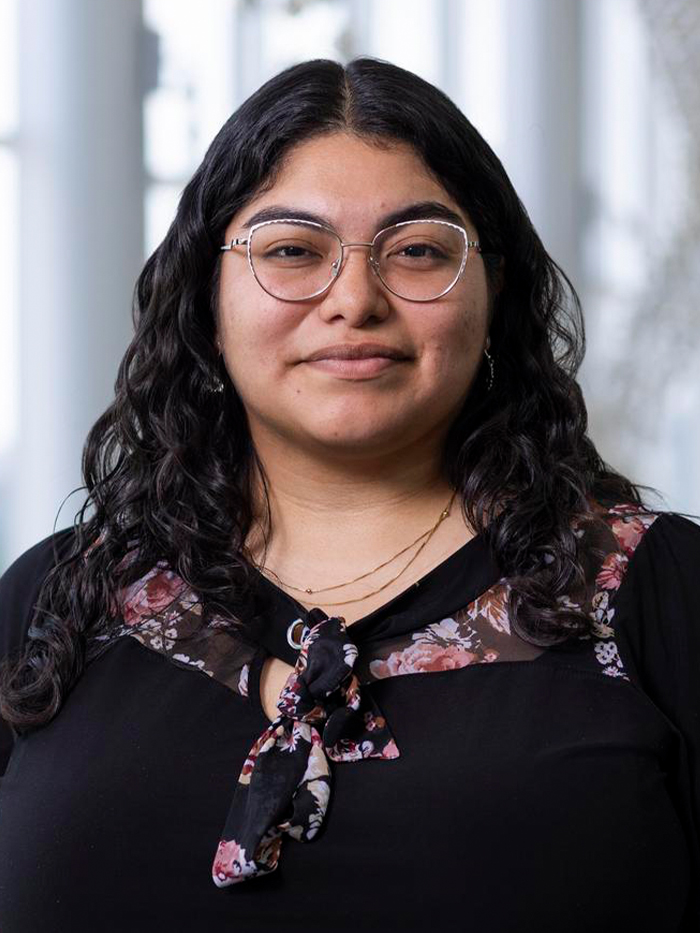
[[657, 550], [672, 532], [655, 606], [628, 539], [637, 552], [20, 585], [636, 563]]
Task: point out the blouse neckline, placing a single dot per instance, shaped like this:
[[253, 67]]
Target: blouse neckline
[[453, 583]]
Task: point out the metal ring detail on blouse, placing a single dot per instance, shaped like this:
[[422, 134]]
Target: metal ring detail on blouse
[[290, 633]]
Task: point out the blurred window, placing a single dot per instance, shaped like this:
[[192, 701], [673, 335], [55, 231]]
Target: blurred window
[[9, 221]]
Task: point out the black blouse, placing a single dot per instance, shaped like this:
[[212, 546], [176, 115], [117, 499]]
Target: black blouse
[[428, 768]]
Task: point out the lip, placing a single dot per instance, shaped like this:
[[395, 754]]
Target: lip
[[356, 351], [355, 369]]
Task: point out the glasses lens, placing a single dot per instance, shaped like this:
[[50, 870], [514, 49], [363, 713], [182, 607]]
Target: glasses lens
[[293, 260], [421, 259]]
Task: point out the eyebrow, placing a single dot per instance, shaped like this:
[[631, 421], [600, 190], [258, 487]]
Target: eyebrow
[[419, 210]]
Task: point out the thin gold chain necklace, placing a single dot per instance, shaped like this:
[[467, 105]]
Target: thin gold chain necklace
[[443, 515]]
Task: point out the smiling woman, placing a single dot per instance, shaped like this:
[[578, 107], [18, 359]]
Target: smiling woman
[[348, 445], [292, 365]]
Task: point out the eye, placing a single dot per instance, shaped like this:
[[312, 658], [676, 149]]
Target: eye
[[287, 251], [437, 253]]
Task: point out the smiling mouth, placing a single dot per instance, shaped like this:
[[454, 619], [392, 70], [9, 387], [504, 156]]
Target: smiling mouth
[[358, 368]]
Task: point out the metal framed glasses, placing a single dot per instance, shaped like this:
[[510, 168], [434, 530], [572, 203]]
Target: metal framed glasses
[[295, 260]]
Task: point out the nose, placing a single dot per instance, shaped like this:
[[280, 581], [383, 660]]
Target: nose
[[357, 292]]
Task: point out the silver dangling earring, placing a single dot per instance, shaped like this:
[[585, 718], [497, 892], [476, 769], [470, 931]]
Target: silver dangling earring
[[217, 385], [490, 362]]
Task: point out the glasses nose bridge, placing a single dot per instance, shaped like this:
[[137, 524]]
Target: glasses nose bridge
[[370, 260], [356, 244]]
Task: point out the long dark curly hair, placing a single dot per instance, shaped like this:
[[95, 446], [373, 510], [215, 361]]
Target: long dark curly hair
[[168, 466]]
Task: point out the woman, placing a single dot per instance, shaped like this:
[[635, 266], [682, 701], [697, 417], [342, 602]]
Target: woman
[[347, 445]]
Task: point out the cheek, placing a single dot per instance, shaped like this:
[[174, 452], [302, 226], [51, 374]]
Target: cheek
[[455, 343], [255, 347], [249, 330]]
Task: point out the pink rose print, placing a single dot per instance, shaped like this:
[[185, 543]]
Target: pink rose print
[[230, 862], [156, 594], [611, 571], [422, 657], [629, 533], [248, 765]]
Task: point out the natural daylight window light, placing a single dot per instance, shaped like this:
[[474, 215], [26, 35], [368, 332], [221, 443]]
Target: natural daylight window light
[[9, 260]]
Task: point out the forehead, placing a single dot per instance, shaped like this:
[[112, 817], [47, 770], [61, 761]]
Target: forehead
[[322, 157], [351, 184]]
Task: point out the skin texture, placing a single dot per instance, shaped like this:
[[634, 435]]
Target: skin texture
[[353, 465]]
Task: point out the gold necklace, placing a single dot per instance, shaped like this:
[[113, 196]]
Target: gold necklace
[[443, 515]]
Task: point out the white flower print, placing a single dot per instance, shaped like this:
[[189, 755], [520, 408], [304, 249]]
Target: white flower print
[[447, 631], [492, 607], [288, 742], [315, 821], [602, 613], [349, 653], [243, 680], [186, 660], [606, 652], [602, 630]]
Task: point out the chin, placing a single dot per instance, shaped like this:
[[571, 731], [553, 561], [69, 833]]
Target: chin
[[359, 438]]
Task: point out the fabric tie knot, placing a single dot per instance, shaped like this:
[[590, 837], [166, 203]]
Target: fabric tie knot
[[284, 784]]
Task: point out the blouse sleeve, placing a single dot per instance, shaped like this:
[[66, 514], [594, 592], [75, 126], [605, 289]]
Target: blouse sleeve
[[19, 590], [657, 626]]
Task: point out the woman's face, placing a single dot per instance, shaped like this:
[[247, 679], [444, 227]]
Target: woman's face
[[266, 342]]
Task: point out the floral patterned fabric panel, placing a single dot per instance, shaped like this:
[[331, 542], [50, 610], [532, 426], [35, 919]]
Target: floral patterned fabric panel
[[480, 633], [164, 614], [477, 634], [161, 612], [627, 527]]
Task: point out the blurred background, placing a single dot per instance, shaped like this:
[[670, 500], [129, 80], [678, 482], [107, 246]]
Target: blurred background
[[107, 107]]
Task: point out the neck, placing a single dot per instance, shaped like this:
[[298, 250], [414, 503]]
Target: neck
[[334, 520]]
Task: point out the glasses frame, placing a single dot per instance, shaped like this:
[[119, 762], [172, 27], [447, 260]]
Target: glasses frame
[[337, 267]]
